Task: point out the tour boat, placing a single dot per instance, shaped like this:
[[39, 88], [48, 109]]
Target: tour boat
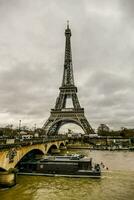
[[67, 166]]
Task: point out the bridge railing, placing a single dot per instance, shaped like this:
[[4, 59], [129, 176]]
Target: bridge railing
[[25, 142]]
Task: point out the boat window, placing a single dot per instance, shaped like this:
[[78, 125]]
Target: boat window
[[84, 165]]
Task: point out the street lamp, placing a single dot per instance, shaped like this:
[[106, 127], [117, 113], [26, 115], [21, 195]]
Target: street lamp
[[19, 125]]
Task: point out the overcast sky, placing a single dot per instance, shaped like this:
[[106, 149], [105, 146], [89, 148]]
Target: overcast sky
[[32, 44]]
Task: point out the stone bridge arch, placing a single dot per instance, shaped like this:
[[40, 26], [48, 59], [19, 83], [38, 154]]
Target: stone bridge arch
[[52, 147], [62, 144], [30, 154], [20, 153], [2, 170]]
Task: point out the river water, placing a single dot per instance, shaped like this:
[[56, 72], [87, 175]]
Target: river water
[[116, 184]]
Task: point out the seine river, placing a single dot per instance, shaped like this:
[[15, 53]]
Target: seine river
[[116, 184]]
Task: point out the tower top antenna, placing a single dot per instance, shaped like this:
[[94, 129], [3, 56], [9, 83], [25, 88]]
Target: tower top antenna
[[68, 24]]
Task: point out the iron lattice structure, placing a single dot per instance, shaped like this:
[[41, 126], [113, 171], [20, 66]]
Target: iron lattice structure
[[61, 114]]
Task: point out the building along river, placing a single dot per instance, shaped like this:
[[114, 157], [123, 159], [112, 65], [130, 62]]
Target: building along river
[[117, 183]]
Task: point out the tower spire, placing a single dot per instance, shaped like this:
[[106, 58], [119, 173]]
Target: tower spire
[[67, 24], [68, 78]]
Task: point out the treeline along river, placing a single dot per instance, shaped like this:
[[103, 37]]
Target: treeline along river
[[116, 184]]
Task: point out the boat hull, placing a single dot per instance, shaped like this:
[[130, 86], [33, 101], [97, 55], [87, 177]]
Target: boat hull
[[96, 176]]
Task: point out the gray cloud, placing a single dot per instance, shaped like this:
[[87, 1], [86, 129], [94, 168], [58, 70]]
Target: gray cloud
[[32, 56]]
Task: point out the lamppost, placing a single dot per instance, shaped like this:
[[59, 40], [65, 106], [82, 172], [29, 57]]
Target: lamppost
[[19, 125], [35, 127]]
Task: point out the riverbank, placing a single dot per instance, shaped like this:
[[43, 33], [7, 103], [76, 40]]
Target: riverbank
[[99, 147]]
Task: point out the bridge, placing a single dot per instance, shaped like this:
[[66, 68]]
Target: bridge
[[12, 154]]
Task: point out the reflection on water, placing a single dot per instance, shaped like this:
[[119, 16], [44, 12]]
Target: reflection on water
[[117, 184]]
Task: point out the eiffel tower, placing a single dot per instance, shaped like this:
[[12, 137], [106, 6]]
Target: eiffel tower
[[61, 115]]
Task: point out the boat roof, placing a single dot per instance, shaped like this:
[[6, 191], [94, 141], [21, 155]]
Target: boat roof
[[67, 158]]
